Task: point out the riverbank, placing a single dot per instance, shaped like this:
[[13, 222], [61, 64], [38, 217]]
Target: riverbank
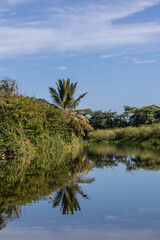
[[145, 135], [28, 125]]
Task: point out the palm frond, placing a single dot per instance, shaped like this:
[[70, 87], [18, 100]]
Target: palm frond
[[84, 111], [65, 92], [80, 124], [63, 97], [58, 198], [81, 117], [76, 125], [62, 92], [60, 88], [72, 89], [70, 94], [75, 102], [55, 96]]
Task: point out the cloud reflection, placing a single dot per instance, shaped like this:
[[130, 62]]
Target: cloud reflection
[[93, 232]]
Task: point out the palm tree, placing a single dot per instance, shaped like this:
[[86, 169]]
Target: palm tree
[[63, 97]]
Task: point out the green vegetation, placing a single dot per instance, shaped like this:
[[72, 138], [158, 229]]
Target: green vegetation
[[64, 98], [144, 135], [30, 124], [133, 157], [130, 117], [23, 181], [134, 126], [59, 177], [36, 130], [27, 124]]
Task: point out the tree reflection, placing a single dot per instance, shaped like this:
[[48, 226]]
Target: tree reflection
[[66, 197], [23, 181], [8, 212], [134, 158]]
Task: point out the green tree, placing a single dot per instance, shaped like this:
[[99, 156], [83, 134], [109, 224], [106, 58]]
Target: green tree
[[107, 119], [8, 87], [145, 115], [63, 97]]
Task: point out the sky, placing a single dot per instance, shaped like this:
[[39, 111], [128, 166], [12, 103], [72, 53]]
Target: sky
[[110, 47]]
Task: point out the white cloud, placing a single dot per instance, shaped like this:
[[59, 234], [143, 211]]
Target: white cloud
[[62, 68], [17, 41], [111, 55], [95, 14], [143, 61], [87, 28]]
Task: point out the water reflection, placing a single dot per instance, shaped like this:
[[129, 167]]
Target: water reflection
[[67, 198], [24, 181], [67, 195], [8, 212], [134, 158]]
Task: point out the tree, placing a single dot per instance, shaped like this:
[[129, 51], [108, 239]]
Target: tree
[[145, 115], [63, 97], [8, 87], [107, 119]]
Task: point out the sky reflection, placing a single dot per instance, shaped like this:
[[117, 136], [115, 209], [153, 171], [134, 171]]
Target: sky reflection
[[113, 203]]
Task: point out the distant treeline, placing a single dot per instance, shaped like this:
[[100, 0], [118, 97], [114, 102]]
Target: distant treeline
[[132, 116]]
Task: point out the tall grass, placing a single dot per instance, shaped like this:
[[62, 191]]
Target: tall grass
[[144, 135]]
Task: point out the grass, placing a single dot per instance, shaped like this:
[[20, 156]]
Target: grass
[[145, 135]]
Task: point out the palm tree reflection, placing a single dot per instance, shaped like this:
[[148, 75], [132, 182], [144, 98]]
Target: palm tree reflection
[[66, 197]]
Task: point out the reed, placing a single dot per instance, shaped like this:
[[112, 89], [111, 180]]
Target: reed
[[144, 135]]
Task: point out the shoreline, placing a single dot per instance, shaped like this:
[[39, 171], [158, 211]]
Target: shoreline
[[147, 136]]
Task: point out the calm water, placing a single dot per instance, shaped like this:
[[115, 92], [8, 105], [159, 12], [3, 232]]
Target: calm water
[[101, 192]]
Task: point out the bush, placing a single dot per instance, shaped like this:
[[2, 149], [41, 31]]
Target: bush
[[27, 122], [143, 134]]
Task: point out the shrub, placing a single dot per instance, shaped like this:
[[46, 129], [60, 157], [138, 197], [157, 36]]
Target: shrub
[[143, 134], [27, 122]]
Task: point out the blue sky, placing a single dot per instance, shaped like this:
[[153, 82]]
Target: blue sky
[[111, 47]]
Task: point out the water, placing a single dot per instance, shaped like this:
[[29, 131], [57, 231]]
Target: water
[[100, 192]]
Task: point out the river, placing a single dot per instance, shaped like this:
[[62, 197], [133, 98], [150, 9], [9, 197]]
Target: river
[[98, 192]]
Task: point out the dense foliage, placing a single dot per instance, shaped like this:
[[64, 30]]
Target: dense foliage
[[142, 135], [131, 116], [29, 123], [26, 123]]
